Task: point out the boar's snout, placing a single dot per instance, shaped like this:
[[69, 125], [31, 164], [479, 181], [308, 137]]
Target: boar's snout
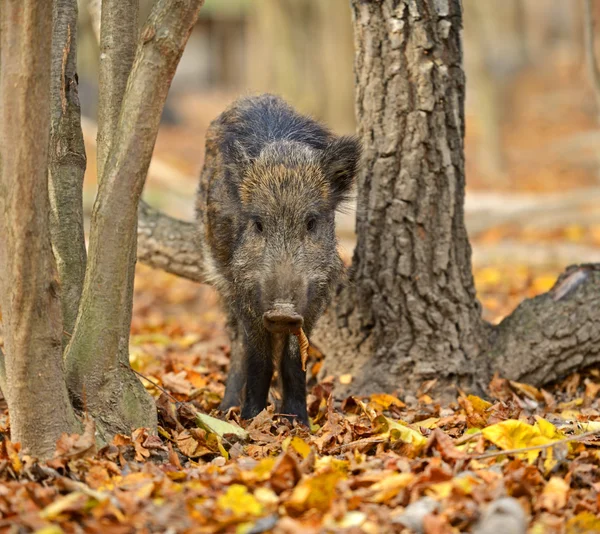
[[283, 319]]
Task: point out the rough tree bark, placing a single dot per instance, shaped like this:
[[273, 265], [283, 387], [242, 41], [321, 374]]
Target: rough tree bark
[[96, 359], [44, 385], [409, 313], [38, 401], [410, 308]]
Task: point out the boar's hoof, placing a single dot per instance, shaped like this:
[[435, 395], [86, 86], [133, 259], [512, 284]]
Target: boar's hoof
[[282, 320]]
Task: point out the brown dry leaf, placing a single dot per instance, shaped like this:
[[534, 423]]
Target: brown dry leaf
[[476, 410], [138, 438], [444, 445], [555, 495], [177, 383], [304, 345], [78, 446], [527, 390], [285, 473], [190, 445]]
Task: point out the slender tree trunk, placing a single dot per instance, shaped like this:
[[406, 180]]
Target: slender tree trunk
[[67, 163], [97, 355], [118, 42], [35, 389]]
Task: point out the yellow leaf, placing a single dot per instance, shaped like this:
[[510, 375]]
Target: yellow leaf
[[71, 502], [51, 529], [315, 492], [542, 284], [479, 405], [345, 379], [547, 429], [396, 430], [440, 490], [590, 426], [583, 523], [513, 434], [389, 486], [333, 464], [219, 427], [575, 233], [489, 276], [239, 502], [298, 444], [385, 400], [430, 422]]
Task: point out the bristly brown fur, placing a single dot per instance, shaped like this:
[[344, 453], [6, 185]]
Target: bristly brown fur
[[270, 186]]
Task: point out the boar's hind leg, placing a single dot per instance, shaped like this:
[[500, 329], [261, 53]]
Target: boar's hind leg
[[293, 379], [236, 378], [259, 372]]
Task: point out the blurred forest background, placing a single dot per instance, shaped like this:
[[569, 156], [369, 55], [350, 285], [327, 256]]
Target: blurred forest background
[[533, 119]]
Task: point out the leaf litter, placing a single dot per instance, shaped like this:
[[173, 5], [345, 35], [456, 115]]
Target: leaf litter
[[383, 463]]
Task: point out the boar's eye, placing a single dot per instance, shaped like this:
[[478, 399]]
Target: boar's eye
[[258, 226], [311, 224]]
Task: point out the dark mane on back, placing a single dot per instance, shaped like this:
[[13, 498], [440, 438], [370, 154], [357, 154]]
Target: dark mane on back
[[253, 122]]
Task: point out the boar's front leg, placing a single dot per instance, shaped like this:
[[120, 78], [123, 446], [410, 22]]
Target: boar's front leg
[[293, 380], [236, 378], [259, 372]]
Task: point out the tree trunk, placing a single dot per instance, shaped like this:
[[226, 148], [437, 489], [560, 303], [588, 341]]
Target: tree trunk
[[67, 163], [38, 401], [410, 308], [409, 313], [96, 358]]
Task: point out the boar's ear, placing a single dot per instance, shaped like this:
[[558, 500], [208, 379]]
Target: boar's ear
[[340, 161], [235, 156]]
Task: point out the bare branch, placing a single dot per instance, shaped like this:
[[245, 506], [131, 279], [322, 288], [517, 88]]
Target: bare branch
[[590, 51], [118, 41], [168, 244], [67, 162], [102, 314], [35, 388]]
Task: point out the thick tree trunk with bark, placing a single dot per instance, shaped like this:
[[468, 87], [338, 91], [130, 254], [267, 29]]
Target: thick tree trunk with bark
[[34, 385], [409, 311]]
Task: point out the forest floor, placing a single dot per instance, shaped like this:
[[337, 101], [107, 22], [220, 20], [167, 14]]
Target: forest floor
[[384, 463]]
